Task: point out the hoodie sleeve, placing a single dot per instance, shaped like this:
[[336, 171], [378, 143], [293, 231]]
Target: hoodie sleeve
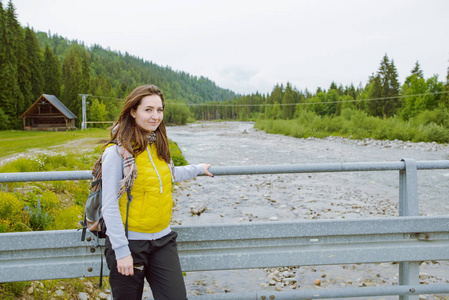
[[187, 172], [112, 170]]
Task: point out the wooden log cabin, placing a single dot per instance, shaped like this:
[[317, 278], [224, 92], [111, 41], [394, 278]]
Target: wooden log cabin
[[48, 114]]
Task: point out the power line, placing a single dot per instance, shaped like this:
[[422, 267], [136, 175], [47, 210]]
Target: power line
[[288, 104]]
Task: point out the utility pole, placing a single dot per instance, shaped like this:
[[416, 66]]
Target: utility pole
[[83, 123]]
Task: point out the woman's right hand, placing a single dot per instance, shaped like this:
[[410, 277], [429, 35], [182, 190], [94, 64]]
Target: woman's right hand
[[125, 265]]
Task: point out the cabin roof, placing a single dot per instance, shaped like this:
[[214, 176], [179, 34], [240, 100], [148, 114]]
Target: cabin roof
[[55, 102]]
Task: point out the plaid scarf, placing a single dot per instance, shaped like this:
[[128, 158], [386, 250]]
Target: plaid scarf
[[129, 166]]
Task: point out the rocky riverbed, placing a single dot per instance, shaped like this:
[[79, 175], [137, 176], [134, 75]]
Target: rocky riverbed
[[287, 197]]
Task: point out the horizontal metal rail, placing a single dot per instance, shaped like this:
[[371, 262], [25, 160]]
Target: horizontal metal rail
[[416, 289], [52, 254], [61, 254], [244, 170], [407, 239]]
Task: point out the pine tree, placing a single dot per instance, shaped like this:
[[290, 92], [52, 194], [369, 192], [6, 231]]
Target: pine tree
[[72, 80], [384, 89], [51, 73], [333, 86], [276, 95], [21, 60], [85, 80], [35, 60], [288, 101], [417, 70], [391, 105], [10, 94], [445, 96]]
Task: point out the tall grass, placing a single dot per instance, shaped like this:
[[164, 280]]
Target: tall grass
[[426, 127]]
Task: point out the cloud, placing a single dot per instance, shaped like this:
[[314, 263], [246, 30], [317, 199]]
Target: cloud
[[244, 79]]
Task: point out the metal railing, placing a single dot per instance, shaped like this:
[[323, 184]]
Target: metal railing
[[407, 239]]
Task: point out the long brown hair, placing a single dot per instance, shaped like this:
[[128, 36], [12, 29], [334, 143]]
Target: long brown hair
[[133, 137]]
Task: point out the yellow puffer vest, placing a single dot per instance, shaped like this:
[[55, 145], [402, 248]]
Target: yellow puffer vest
[[151, 206]]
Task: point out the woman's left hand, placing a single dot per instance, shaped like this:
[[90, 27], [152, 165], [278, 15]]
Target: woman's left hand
[[206, 170]]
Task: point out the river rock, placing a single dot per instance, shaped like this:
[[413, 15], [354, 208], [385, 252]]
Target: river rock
[[103, 295], [287, 274], [289, 280], [30, 290], [83, 296]]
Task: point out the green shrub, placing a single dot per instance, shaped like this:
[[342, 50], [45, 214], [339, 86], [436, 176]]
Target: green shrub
[[176, 155], [433, 133], [438, 116], [10, 290], [11, 211], [67, 218], [77, 191]]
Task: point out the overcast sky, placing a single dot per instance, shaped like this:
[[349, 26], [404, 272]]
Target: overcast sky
[[249, 46]]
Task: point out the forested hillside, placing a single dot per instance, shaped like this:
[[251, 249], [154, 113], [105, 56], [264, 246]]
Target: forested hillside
[[34, 63]]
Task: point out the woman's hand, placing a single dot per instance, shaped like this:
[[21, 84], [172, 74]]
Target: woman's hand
[[125, 265], [206, 170]]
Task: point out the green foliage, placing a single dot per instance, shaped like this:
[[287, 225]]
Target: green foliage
[[359, 125], [420, 95], [385, 87], [51, 73], [437, 116], [176, 154], [11, 210], [4, 120], [176, 113], [37, 62], [68, 218], [11, 290], [97, 113]]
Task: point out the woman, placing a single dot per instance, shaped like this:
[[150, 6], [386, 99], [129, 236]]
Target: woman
[[137, 158]]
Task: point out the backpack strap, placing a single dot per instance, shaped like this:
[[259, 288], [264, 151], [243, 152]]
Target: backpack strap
[[83, 230], [130, 198]]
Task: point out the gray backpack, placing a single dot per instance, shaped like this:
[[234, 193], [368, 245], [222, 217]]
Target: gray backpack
[[93, 216]]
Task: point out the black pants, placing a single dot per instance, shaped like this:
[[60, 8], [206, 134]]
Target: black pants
[[161, 268]]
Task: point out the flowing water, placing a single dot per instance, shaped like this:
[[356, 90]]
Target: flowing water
[[289, 197]]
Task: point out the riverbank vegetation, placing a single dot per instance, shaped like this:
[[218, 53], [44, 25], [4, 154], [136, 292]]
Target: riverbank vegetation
[[417, 110]]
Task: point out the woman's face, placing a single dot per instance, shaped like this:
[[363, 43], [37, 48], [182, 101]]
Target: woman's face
[[149, 113]]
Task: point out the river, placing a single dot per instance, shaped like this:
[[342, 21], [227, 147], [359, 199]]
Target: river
[[288, 197]]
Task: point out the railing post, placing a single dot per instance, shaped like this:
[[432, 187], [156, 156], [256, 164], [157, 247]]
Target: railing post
[[408, 206]]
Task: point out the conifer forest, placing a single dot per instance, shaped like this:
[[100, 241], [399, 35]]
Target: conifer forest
[[35, 63]]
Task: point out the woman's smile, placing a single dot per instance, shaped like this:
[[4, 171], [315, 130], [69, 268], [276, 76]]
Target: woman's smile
[[150, 113]]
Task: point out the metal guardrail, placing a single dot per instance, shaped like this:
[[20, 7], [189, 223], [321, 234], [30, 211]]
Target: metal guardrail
[[407, 239]]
